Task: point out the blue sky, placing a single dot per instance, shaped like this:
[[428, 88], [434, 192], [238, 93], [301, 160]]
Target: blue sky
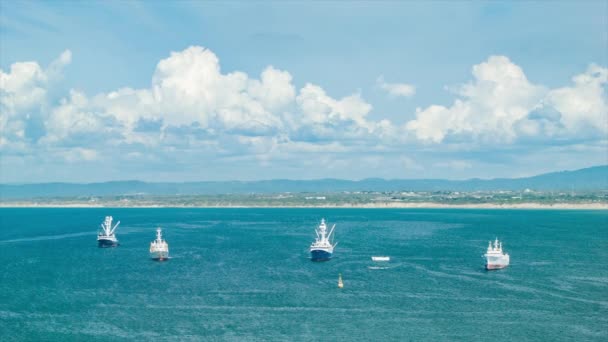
[[176, 91]]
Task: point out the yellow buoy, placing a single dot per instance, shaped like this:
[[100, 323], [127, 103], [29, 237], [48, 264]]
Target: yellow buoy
[[340, 283]]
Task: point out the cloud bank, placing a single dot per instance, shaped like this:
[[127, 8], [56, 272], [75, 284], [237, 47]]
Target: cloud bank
[[193, 109], [501, 105]]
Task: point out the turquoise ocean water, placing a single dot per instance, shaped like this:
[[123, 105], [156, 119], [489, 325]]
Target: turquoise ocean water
[[244, 275]]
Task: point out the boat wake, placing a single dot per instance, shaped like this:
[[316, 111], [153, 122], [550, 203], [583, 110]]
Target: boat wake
[[46, 237]]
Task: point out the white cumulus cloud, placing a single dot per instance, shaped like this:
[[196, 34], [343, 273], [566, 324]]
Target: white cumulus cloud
[[73, 116], [23, 95], [321, 117], [501, 105], [318, 107], [190, 101], [584, 105], [396, 89]]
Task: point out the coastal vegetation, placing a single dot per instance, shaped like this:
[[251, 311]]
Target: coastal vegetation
[[330, 199]]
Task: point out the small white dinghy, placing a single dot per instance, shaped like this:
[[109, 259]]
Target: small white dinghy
[[381, 258]]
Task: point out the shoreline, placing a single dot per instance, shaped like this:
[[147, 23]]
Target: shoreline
[[385, 205]]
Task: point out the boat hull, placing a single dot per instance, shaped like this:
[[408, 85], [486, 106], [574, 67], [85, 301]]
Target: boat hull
[[497, 262], [320, 255], [103, 243], [491, 267], [159, 256]]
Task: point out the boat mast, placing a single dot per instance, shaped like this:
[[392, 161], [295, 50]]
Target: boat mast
[[107, 225], [113, 229], [331, 231], [322, 230]]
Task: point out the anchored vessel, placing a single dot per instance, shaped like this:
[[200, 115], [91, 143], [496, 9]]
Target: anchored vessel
[[106, 237], [340, 283], [159, 248], [322, 249], [381, 258], [495, 258]]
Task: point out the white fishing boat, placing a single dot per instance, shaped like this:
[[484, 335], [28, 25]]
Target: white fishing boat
[[495, 258], [340, 282], [381, 258], [322, 249], [106, 237], [159, 248]]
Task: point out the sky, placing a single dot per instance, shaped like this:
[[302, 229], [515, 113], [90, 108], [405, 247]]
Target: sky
[[193, 90]]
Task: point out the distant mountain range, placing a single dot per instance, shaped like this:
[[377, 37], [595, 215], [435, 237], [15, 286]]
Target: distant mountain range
[[593, 178]]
